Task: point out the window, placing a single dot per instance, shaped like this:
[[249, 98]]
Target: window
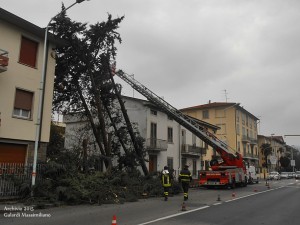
[[28, 52], [170, 118], [206, 145], [244, 149], [170, 134], [153, 134], [194, 172], [194, 140], [243, 119], [23, 104], [183, 162], [153, 112], [205, 114], [244, 131], [170, 163]]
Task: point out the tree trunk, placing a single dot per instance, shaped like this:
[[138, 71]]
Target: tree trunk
[[130, 129]]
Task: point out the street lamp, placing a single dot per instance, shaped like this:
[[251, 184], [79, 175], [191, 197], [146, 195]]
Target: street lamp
[[41, 96]]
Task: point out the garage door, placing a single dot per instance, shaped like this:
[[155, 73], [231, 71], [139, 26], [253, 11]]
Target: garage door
[[12, 153]]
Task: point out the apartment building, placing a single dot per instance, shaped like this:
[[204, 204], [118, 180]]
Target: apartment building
[[167, 142], [278, 149], [238, 127], [21, 59]]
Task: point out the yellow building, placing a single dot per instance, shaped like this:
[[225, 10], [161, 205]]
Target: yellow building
[[278, 149], [238, 127], [21, 59]]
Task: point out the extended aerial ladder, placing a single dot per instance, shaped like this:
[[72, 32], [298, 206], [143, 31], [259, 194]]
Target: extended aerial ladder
[[230, 159]]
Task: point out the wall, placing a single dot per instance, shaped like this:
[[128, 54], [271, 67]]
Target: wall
[[27, 78]]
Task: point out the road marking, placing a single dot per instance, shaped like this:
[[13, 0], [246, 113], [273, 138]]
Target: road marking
[[257, 193], [219, 203], [174, 215], [205, 207]]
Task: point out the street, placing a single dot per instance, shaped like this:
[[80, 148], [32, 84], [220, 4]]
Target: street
[[255, 204]]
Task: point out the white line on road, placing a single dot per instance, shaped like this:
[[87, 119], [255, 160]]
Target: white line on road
[[219, 203], [257, 193], [205, 207], [174, 215]]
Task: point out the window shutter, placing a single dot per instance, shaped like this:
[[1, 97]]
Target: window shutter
[[28, 52], [23, 100]]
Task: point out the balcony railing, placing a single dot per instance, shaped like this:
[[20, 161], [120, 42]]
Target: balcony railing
[[250, 155], [192, 150], [153, 144], [253, 141], [3, 60], [245, 138]]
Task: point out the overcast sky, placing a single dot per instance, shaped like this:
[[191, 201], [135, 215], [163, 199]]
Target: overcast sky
[[191, 51]]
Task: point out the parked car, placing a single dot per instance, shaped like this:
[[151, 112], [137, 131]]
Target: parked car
[[297, 175], [273, 176], [291, 175], [284, 175]]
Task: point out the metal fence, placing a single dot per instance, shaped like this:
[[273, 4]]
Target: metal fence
[[13, 175]]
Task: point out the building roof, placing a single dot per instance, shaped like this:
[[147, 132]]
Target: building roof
[[219, 105], [278, 139], [30, 27], [210, 105], [148, 103]]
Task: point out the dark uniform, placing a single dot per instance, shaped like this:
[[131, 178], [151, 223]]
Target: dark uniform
[[185, 178], [166, 182]]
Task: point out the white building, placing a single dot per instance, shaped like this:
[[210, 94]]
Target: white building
[[167, 142]]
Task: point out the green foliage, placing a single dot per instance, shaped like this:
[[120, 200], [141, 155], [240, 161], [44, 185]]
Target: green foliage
[[266, 149], [284, 161], [98, 187], [56, 142]]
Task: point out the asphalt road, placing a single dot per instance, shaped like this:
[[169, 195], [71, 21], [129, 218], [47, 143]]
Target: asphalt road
[[278, 206], [255, 204]]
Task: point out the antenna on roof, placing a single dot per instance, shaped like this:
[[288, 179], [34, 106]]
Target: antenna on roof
[[225, 93]]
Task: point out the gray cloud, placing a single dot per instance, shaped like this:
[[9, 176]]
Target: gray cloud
[[191, 51]]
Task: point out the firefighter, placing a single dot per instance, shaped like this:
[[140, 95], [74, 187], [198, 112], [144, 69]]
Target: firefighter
[[166, 181], [185, 178]]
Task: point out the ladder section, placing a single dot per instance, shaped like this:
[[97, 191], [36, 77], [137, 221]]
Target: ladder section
[[184, 120]]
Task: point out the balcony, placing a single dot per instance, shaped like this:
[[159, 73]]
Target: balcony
[[245, 139], [156, 145], [193, 151], [3, 60], [250, 156], [253, 141]]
